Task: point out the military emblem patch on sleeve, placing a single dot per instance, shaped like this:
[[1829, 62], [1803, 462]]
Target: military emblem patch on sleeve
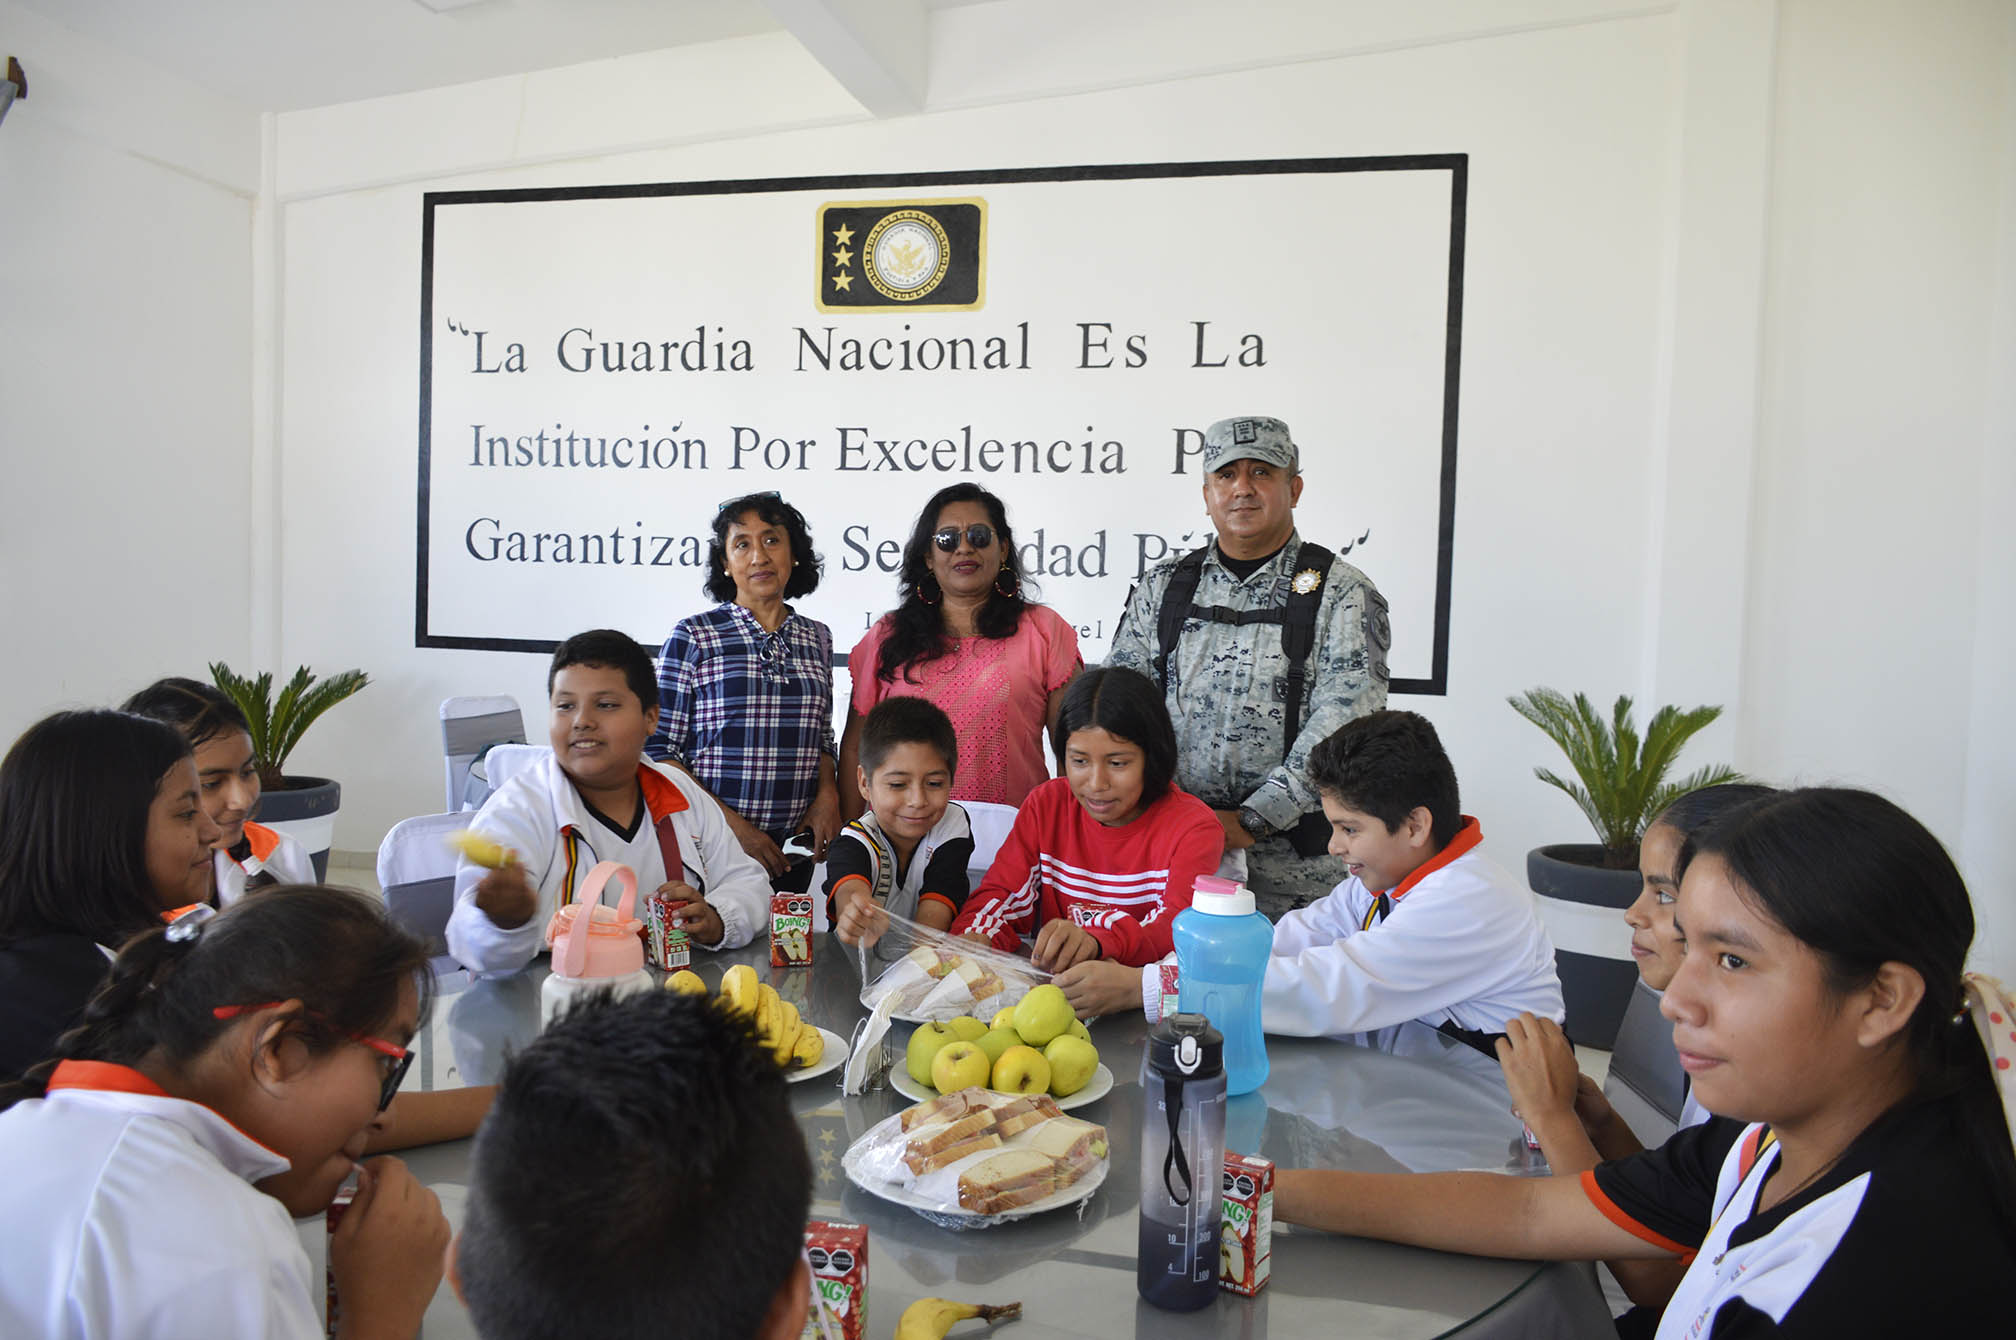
[[1306, 581]]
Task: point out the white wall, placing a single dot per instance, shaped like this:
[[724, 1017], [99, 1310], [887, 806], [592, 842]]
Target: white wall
[[125, 375]]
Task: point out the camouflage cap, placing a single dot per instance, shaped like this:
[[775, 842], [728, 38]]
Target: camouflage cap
[[1255, 438]]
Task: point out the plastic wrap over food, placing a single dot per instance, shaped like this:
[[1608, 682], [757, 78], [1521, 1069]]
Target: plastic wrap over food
[[935, 976], [976, 1157]]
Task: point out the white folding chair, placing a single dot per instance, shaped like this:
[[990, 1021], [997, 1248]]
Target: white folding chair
[[990, 824], [1645, 1084], [416, 869], [505, 761], [470, 727]]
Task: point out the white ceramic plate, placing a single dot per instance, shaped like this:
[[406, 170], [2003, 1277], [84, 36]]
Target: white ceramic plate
[[1095, 1088], [830, 1060], [898, 1194]]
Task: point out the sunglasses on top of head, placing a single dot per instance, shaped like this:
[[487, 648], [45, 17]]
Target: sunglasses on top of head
[[978, 535]]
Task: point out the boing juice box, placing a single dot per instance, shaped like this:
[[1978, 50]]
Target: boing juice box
[[1246, 1242], [839, 1255], [790, 930]]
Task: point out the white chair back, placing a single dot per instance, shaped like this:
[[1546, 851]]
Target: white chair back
[[416, 869], [990, 824], [469, 727], [506, 761]]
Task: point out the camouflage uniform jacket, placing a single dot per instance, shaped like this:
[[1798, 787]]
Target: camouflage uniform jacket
[[1228, 684]]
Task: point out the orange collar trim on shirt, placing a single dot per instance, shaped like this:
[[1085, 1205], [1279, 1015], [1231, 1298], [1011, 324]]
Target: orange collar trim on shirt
[[263, 840], [1466, 840], [110, 1077], [662, 795], [103, 1075]]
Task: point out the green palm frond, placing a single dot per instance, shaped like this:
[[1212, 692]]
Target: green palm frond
[[1622, 774], [277, 725]]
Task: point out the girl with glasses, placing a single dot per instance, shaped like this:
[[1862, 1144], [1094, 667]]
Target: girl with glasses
[[225, 1080], [968, 636]]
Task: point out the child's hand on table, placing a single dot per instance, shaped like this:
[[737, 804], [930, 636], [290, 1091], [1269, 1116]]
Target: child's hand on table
[[1540, 1069], [1097, 987]]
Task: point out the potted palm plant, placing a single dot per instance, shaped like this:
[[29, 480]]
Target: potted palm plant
[[1621, 787], [303, 807]]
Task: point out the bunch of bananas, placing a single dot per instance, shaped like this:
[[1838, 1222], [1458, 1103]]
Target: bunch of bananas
[[794, 1042]]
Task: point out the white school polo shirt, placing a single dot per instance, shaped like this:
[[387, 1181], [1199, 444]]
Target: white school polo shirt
[[125, 1213], [270, 852]]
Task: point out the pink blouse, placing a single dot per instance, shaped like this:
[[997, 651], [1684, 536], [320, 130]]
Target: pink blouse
[[997, 692]]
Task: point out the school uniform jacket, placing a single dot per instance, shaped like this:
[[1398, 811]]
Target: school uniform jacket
[[1460, 940], [1898, 1238], [271, 857], [1125, 885], [539, 815], [126, 1215]]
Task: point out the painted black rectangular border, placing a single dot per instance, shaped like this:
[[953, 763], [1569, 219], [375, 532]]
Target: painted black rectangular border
[[1456, 165]]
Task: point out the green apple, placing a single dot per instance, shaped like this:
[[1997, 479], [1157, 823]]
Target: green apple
[[997, 1040], [1072, 1064], [1021, 1070], [1004, 1018], [1078, 1030], [959, 1065], [966, 1028], [1043, 1014], [924, 1045]]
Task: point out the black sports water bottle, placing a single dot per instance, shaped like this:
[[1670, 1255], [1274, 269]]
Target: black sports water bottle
[[1182, 1158]]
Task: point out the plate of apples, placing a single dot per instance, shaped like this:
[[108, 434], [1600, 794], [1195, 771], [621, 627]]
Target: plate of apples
[[1036, 1047]]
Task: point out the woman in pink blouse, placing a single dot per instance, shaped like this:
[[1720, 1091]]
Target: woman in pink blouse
[[969, 638]]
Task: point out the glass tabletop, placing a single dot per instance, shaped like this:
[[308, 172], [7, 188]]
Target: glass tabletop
[[1405, 1099]]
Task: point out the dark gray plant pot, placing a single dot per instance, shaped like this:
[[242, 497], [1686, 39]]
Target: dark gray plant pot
[[304, 808], [1595, 988]]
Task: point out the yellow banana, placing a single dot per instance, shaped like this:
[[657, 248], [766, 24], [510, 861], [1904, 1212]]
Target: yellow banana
[[930, 1318], [687, 983], [769, 1012], [785, 1040], [481, 850], [739, 990], [810, 1049]]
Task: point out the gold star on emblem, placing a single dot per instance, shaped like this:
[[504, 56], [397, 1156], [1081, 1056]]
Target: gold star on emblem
[[843, 282], [1307, 580], [843, 234], [842, 256], [826, 1136]]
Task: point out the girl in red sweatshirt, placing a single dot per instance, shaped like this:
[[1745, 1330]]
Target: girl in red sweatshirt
[[1102, 859]]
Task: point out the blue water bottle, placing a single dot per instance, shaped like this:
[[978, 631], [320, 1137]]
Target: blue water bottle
[[1222, 946]]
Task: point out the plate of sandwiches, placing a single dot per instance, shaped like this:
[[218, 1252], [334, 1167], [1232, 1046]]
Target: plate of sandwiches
[[977, 1157], [932, 985], [1095, 1088]]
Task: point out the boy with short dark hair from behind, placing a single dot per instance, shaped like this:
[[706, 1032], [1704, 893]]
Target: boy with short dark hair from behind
[[908, 853], [595, 798], [639, 1175], [1424, 926]]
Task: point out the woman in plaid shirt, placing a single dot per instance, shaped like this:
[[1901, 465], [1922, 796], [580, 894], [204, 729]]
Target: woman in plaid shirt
[[745, 690]]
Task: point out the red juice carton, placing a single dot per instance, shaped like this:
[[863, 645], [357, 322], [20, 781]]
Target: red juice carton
[[665, 945], [839, 1255], [1246, 1242], [790, 930]]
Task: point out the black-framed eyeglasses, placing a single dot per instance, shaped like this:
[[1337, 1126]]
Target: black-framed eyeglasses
[[401, 1057], [979, 535], [746, 498]]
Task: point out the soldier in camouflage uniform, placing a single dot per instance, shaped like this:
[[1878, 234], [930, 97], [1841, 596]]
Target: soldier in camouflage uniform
[[1227, 676]]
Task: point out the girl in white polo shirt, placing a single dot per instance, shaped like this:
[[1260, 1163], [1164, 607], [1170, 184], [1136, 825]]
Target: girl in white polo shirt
[[1859, 1178], [225, 1079]]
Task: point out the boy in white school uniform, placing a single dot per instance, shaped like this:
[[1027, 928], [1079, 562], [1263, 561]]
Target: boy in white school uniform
[[597, 798], [1426, 926]]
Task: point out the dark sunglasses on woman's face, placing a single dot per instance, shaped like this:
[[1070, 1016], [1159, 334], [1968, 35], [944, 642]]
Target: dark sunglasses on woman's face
[[977, 535]]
